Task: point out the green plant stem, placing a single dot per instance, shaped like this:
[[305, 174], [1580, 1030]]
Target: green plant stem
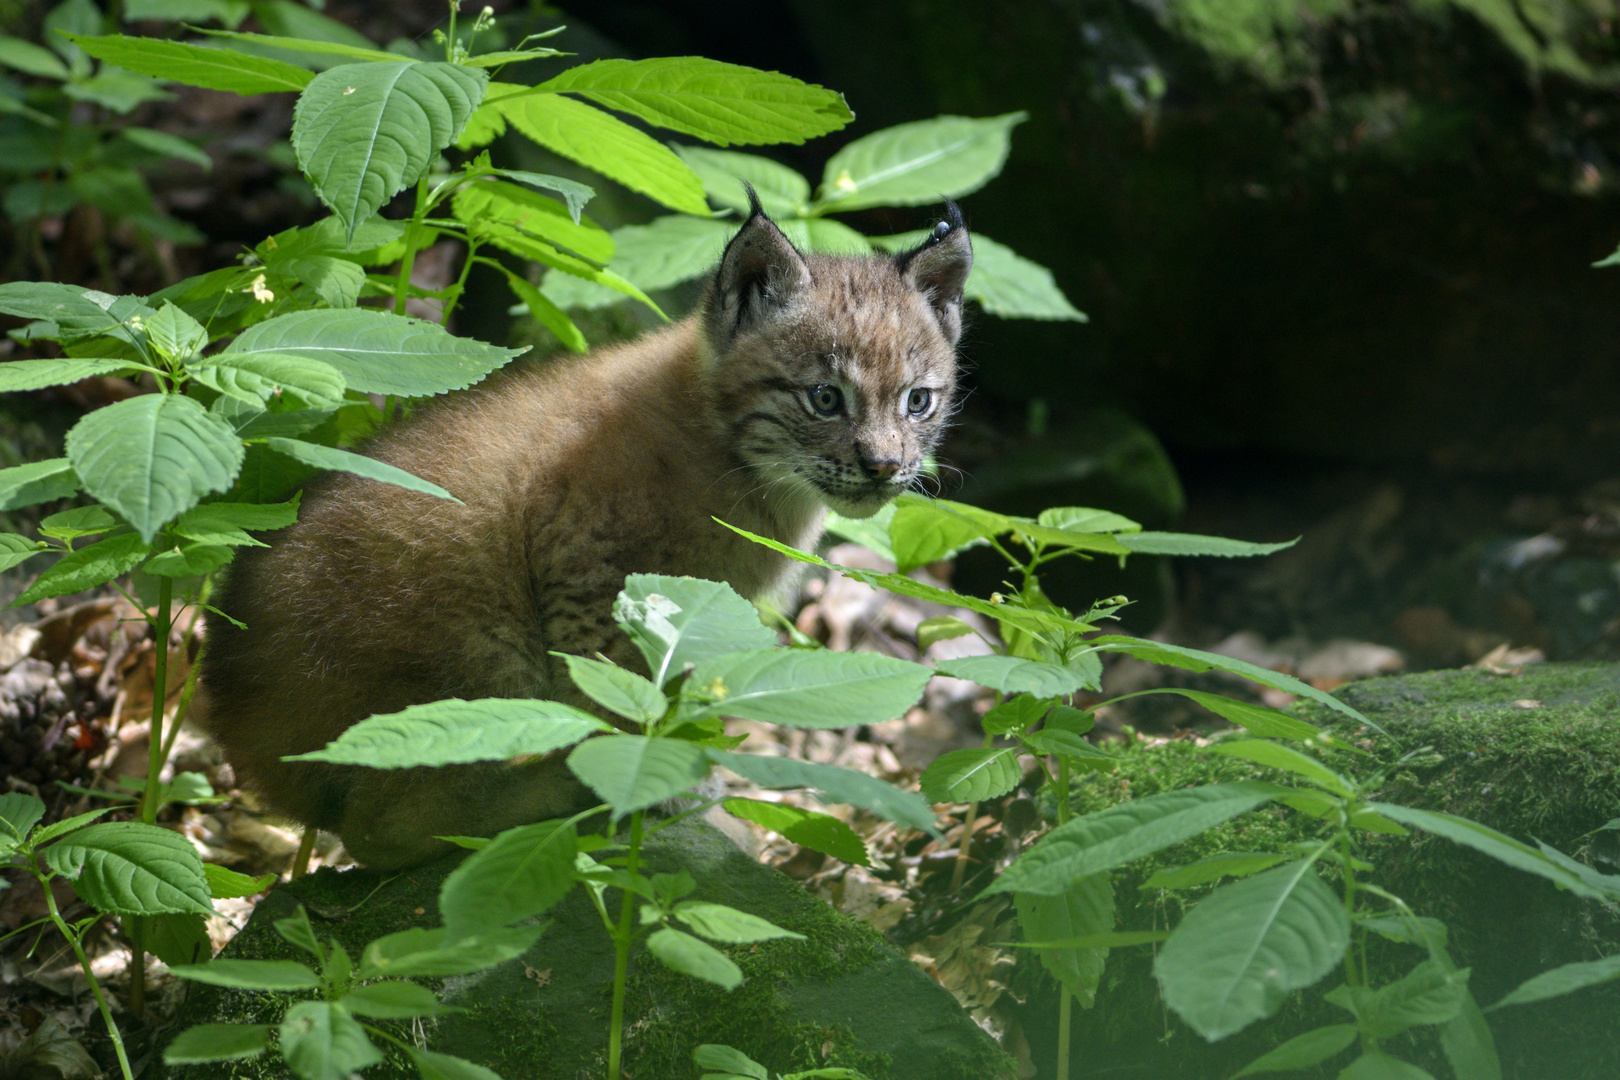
[[1065, 1010], [84, 964], [190, 687], [402, 287], [136, 925], [460, 289], [622, 937]]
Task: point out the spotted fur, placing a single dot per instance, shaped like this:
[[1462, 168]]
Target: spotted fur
[[801, 382]]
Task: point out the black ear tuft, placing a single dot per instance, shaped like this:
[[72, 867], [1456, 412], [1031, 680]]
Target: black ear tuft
[[938, 267], [754, 209]]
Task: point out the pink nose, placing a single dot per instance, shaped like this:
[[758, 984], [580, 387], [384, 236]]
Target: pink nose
[[880, 469]]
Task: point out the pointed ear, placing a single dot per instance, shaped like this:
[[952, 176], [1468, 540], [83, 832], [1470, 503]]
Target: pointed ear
[[759, 274], [939, 267]]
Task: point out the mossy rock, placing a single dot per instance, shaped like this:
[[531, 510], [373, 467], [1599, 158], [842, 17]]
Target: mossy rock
[[842, 996], [1536, 756]]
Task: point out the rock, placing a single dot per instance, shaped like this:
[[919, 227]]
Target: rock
[[841, 997], [1533, 755]]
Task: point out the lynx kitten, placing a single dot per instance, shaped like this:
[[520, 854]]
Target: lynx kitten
[[801, 382]]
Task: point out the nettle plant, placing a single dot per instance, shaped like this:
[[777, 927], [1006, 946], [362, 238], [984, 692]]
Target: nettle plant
[[911, 164], [1279, 927]]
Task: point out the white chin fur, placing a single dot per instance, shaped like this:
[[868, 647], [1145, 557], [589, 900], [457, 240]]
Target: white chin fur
[[863, 508]]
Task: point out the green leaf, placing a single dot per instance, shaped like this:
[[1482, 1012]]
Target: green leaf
[[321, 1041], [189, 560], [809, 687], [604, 143], [1113, 837], [519, 874], [1005, 284], [224, 884], [722, 103], [609, 685], [633, 772], [178, 939], [1156, 652], [18, 814], [807, 828], [1303, 1051], [834, 784], [1015, 714], [37, 374], [1085, 908], [1428, 994], [436, 1066], [533, 248], [419, 953], [15, 549], [940, 628], [376, 352], [1468, 1044], [259, 378], [1014, 675], [548, 314], [280, 975], [1377, 1065], [825, 234], [1226, 864], [217, 1042], [1164, 543], [330, 457], [1561, 980], [151, 458], [671, 249], [455, 732], [1277, 756], [226, 523], [77, 312], [689, 956], [783, 193], [196, 65], [730, 1060], [677, 621], [67, 825], [87, 567], [498, 203], [1242, 949], [168, 146], [120, 91], [1488, 841], [127, 868], [916, 163], [176, 335], [365, 132], [393, 1001], [36, 482], [970, 776], [1258, 719], [31, 59], [1083, 519], [872, 532], [317, 34], [727, 925], [229, 12]]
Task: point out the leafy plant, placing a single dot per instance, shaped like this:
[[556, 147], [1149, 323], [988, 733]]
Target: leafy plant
[[907, 165]]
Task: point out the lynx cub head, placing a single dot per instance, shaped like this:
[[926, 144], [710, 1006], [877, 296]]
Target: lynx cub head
[[834, 374]]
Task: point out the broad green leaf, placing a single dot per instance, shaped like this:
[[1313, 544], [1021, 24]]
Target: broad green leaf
[[548, 314], [365, 132], [216, 1042], [197, 65], [924, 530], [671, 249], [970, 776], [176, 335], [727, 925], [1084, 519], [1488, 841], [537, 250], [420, 953], [834, 784], [873, 532], [393, 1001], [730, 1060], [321, 1041], [1053, 740], [1377, 1065], [36, 482], [225, 884], [783, 193], [807, 828], [120, 91], [227, 523], [604, 143], [1562, 980], [916, 163], [1428, 994], [376, 352], [329, 457], [677, 621], [809, 687], [89, 566], [500, 203], [1163, 543], [436, 1066], [633, 772], [1245, 947], [519, 874], [689, 956], [347, 43], [1014, 675], [1086, 907], [229, 12], [16, 550], [67, 825], [77, 312], [1278, 756], [1113, 837], [189, 560], [178, 939], [1259, 719], [19, 813], [151, 458], [1226, 864], [940, 628], [127, 868], [1303, 1051], [624, 692], [38, 374], [1468, 1044], [454, 732], [826, 235], [721, 103], [165, 145], [31, 59], [1607, 884], [1015, 714], [1010, 286], [1156, 652]]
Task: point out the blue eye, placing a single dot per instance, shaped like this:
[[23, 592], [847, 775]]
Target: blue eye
[[826, 400], [918, 401]]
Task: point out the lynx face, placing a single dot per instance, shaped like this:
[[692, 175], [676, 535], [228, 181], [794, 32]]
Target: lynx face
[[835, 375]]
